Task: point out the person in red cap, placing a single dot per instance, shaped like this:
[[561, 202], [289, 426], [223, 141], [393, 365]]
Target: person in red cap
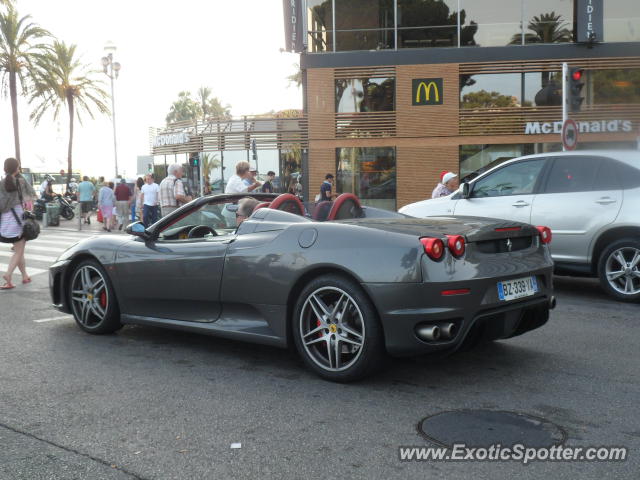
[[447, 186]]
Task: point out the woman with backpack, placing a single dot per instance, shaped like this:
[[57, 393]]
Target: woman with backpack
[[13, 189]]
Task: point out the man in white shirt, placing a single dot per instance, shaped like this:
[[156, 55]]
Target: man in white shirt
[[236, 183], [149, 197]]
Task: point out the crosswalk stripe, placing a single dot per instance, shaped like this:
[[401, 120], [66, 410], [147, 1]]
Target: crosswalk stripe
[[30, 256], [43, 248], [63, 243], [30, 270], [52, 319]]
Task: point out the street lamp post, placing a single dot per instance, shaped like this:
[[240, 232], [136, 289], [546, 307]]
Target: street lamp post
[[112, 69]]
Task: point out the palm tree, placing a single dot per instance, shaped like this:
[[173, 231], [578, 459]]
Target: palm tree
[[60, 80], [183, 109], [547, 28], [211, 106], [296, 77], [209, 162], [18, 48]]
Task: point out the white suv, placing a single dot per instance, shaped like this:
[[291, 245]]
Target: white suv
[[589, 199]]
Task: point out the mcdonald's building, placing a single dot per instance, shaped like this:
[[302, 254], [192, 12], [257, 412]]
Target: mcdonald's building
[[397, 91]]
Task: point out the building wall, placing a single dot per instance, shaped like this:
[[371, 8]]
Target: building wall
[[427, 137]]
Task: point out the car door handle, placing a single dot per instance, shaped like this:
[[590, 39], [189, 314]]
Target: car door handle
[[606, 200], [520, 203]]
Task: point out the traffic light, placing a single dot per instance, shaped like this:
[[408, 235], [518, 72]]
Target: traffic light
[[575, 88], [194, 161]]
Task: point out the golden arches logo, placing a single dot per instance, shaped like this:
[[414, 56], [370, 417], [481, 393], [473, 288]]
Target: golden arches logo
[[427, 91]]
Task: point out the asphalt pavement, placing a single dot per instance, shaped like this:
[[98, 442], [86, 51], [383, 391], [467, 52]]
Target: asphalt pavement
[[156, 404]]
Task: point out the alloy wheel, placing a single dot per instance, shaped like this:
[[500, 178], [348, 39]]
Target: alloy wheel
[[89, 296], [622, 270], [332, 329]]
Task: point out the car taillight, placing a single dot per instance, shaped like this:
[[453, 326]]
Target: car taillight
[[456, 245], [545, 234], [433, 247]]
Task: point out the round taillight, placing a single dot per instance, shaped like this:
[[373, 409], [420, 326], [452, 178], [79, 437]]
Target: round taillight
[[433, 247], [456, 245], [545, 234]]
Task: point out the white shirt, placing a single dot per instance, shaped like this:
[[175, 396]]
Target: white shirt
[[236, 185], [150, 192]]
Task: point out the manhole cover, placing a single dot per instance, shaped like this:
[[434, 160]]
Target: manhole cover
[[483, 428]]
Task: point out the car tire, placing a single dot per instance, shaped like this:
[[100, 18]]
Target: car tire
[[621, 281], [92, 299], [336, 329]]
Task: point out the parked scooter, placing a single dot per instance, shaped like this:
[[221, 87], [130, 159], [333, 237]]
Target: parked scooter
[[66, 209]]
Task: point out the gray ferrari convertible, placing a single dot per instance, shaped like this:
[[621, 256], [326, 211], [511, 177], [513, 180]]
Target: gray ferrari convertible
[[341, 282]]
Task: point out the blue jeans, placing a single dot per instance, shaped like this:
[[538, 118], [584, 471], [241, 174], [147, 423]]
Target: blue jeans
[[133, 211], [149, 214]]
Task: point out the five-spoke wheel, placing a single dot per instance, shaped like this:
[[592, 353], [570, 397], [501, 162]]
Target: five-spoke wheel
[[92, 299], [336, 329], [619, 269]]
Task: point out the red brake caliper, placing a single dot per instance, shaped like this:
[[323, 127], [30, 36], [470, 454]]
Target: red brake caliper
[[103, 299], [318, 323]]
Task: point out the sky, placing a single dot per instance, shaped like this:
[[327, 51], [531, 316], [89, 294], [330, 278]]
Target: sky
[[232, 46]]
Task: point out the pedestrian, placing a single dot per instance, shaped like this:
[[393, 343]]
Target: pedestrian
[[447, 186], [86, 194], [72, 190], [326, 189], [12, 188], [236, 183], [46, 189], [123, 201], [106, 202], [149, 199], [136, 204], [267, 187], [172, 191]]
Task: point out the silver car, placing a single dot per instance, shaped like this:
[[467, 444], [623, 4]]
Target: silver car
[[589, 199]]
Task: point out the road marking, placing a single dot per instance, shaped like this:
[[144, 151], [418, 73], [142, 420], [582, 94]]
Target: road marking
[[64, 243], [41, 248], [31, 256], [30, 270], [53, 319]]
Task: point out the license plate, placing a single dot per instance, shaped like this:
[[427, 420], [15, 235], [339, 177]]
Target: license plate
[[518, 288]]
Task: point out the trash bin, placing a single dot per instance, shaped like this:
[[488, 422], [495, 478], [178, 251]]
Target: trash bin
[[53, 214]]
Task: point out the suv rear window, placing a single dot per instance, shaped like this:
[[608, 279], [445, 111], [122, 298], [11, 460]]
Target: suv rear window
[[629, 175]]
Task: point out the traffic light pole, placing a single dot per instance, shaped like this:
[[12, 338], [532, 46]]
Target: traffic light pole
[[565, 94]]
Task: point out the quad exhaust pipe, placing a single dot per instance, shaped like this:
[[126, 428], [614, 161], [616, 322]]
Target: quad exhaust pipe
[[552, 302], [434, 333]]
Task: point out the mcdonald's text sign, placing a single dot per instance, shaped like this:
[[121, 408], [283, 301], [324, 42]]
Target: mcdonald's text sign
[[427, 91]]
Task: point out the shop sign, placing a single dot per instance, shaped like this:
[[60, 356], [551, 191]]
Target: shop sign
[[171, 139], [293, 29], [597, 126], [589, 20], [427, 91]]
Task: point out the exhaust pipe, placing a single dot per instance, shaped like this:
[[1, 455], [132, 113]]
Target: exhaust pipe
[[448, 330], [552, 302], [430, 333]]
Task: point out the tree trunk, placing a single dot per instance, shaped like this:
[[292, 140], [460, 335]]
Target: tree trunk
[[69, 153], [13, 93]]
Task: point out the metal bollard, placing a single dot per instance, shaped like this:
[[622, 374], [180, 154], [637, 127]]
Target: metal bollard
[[78, 210], [45, 221]]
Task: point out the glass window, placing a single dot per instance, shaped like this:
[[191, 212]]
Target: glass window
[[572, 174], [427, 23], [477, 159], [607, 176], [364, 24], [612, 86], [365, 95], [369, 173], [497, 90], [493, 22], [213, 217], [516, 179], [621, 21], [548, 21], [542, 89], [319, 24]]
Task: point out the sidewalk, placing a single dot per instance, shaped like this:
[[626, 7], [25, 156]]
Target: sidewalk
[[72, 226]]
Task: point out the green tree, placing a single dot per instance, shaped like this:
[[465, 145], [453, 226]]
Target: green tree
[[18, 49], [211, 107], [296, 77], [546, 28], [184, 109], [61, 80], [485, 99], [209, 163]]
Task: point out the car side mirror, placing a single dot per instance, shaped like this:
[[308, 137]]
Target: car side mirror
[[137, 229], [466, 190]]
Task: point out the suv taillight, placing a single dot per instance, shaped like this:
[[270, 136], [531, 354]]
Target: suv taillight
[[545, 234], [433, 247], [456, 245]]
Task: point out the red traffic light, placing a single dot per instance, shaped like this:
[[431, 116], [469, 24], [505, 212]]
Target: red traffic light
[[576, 75]]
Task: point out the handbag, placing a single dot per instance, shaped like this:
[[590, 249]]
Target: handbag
[[99, 216], [30, 228]]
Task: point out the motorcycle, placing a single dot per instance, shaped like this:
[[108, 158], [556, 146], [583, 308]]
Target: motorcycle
[[66, 209]]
